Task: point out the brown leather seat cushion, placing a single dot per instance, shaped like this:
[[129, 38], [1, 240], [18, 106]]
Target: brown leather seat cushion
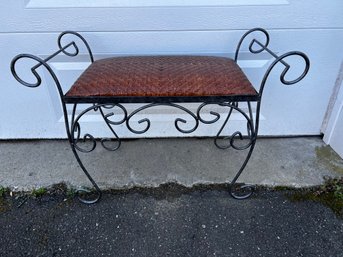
[[150, 76]]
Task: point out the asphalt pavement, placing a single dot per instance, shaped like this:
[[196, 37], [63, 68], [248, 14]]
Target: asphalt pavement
[[170, 222], [170, 200]]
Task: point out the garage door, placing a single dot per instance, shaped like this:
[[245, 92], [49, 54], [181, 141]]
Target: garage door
[[206, 27]]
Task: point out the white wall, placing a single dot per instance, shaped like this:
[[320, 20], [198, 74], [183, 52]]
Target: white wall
[[115, 27]]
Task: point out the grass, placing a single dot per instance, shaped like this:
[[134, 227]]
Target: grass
[[70, 193], [3, 191], [329, 194], [3, 203], [39, 192]]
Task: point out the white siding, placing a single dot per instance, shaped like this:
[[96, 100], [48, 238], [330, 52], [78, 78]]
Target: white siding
[[211, 28]]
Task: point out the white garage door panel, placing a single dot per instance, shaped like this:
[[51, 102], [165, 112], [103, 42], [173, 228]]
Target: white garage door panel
[[287, 110], [146, 3], [15, 17]]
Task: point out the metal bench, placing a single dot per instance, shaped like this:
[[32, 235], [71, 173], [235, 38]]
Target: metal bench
[[163, 80]]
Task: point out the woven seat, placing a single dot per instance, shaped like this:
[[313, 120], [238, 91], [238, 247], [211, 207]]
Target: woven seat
[[161, 76]]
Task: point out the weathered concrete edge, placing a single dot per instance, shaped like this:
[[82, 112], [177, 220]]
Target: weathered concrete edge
[[292, 162]]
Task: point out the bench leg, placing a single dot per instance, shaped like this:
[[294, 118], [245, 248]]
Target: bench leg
[[83, 192], [74, 136], [237, 190], [242, 191]]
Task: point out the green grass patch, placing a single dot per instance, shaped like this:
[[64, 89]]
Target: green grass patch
[[39, 192], [3, 191], [70, 193], [329, 194]]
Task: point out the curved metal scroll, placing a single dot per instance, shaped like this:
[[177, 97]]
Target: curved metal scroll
[[76, 128], [278, 59], [44, 62], [38, 80], [148, 123], [64, 49], [237, 134], [264, 46]]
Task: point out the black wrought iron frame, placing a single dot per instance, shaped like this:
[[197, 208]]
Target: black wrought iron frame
[[73, 128]]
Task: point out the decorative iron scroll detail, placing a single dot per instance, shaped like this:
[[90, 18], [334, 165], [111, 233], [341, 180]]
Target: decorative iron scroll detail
[[76, 128], [44, 62], [278, 59], [126, 118], [63, 49], [236, 140], [237, 134], [176, 122]]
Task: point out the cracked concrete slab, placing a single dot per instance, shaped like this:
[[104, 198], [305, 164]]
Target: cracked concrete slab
[[298, 162]]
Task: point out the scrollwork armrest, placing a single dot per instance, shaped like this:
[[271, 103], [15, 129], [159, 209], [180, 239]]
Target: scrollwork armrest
[[65, 49], [278, 59]]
